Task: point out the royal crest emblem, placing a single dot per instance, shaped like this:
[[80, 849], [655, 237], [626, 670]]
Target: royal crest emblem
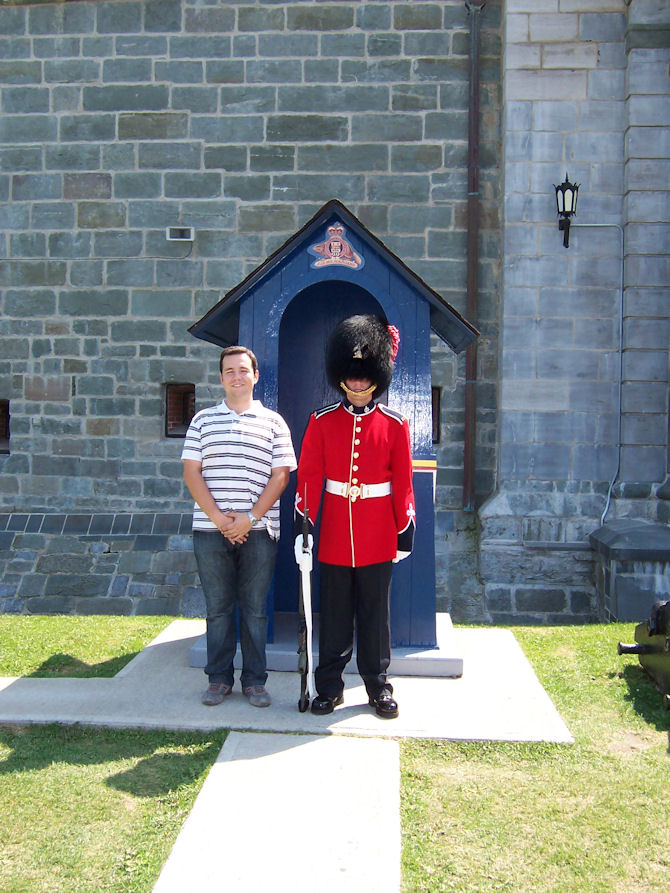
[[336, 251]]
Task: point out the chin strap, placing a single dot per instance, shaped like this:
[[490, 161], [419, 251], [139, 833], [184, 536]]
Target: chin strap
[[365, 393]]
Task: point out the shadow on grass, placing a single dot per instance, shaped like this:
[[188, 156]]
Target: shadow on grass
[[61, 665], [166, 760], [646, 698]]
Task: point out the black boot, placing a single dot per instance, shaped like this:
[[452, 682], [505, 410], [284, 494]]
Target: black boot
[[384, 703], [321, 706]]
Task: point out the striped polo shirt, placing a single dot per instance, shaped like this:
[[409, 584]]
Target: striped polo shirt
[[237, 454]]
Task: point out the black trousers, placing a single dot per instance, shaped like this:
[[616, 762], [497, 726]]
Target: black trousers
[[349, 594]]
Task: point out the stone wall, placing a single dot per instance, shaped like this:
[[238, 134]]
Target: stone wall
[[98, 563], [584, 403], [238, 119]]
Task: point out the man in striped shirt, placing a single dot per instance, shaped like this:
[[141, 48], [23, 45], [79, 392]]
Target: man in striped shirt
[[237, 459]]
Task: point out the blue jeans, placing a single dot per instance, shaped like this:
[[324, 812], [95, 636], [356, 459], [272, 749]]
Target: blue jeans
[[235, 576]]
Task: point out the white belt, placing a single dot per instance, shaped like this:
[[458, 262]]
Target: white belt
[[356, 491]]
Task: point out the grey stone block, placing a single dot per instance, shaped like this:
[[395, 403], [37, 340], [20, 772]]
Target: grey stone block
[[12, 21], [384, 44], [311, 128], [94, 215], [373, 17], [20, 100], [306, 187], [127, 71], [166, 15], [27, 129], [175, 273], [645, 428], [320, 19], [225, 72], [198, 100], [540, 600], [250, 18], [378, 71], [399, 188], [228, 129], [269, 71], [594, 462], [155, 606], [108, 302], [234, 158], [248, 99], [123, 17], [602, 26], [649, 111], [27, 187], [122, 97], [414, 97], [166, 125], [131, 273], [100, 605], [643, 463], [360, 157], [21, 158], [340, 99], [651, 395], [645, 365], [137, 185], [387, 128], [170, 155], [15, 71], [180, 72], [499, 599], [544, 461], [321, 71], [575, 364], [50, 604], [70, 245], [653, 270], [288, 45], [417, 17], [583, 602], [66, 586], [253, 188]]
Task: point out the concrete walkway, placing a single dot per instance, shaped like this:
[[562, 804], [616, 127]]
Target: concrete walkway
[[296, 800], [293, 812]]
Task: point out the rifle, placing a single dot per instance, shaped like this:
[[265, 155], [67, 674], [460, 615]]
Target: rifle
[[305, 620]]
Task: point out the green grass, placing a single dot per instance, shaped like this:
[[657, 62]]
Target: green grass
[[90, 809], [93, 809], [87, 810], [52, 646], [593, 816]]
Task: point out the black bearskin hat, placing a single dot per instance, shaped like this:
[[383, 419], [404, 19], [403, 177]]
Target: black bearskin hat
[[361, 347]]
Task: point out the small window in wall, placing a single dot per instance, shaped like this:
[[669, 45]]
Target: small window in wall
[[4, 426], [436, 394], [179, 408]]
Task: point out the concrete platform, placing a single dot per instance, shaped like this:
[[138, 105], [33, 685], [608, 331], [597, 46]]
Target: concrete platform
[[444, 660], [498, 697]]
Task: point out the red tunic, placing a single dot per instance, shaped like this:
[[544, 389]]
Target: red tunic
[[371, 447]]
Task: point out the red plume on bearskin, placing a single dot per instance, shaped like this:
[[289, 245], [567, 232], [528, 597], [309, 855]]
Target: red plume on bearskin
[[395, 338]]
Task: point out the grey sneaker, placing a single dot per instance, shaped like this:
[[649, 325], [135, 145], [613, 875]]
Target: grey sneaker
[[215, 694], [258, 696]]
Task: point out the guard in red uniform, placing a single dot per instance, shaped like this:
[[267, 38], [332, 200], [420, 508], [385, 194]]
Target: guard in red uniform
[[361, 450]]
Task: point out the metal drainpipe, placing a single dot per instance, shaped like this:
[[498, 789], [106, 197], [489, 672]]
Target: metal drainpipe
[[474, 8]]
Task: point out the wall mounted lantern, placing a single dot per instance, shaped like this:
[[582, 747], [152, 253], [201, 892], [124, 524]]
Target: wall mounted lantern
[[566, 206]]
